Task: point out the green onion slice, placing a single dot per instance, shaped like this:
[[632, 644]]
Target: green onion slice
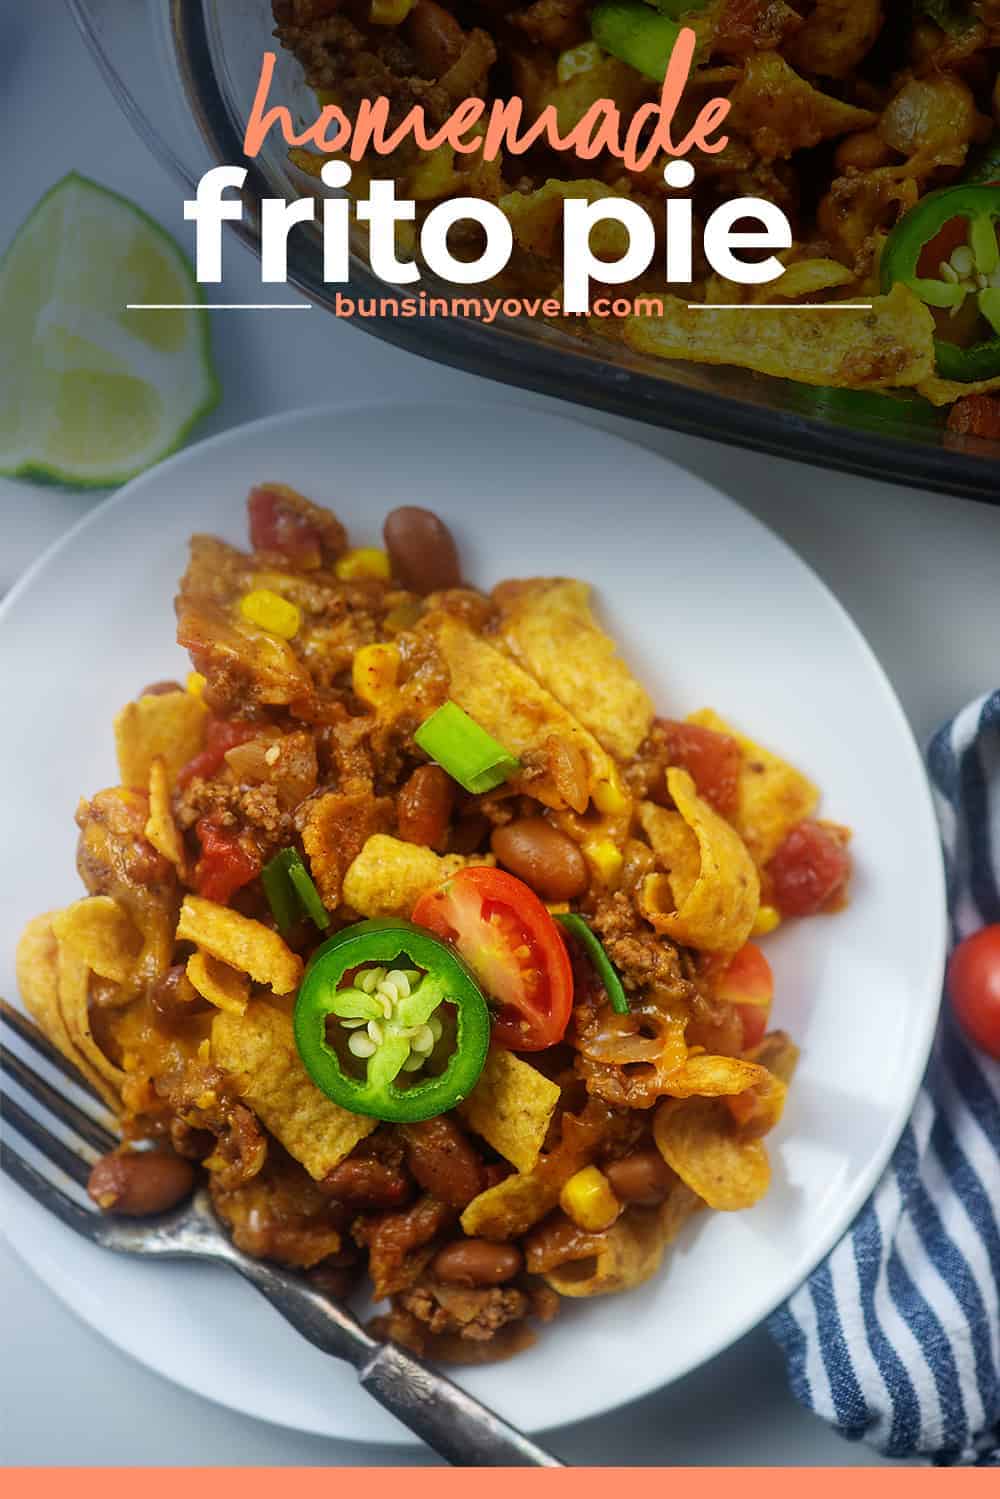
[[305, 889], [606, 971], [470, 756], [291, 893], [278, 888]]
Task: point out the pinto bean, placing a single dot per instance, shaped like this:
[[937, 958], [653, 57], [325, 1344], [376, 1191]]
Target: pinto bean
[[367, 1182], [542, 856], [435, 36], [175, 999], [477, 1262], [138, 1183], [421, 548], [643, 1177], [444, 1161], [424, 805], [160, 689]]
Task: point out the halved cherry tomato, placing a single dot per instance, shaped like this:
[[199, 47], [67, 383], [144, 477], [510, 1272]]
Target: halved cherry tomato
[[748, 983], [712, 759], [513, 947], [221, 736], [227, 863], [974, 988], [810, 870]]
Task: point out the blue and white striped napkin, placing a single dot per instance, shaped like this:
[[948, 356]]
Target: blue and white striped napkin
[[895, 1338]]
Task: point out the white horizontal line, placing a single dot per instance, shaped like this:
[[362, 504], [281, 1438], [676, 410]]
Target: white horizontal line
[[780, 306], [218, 306]]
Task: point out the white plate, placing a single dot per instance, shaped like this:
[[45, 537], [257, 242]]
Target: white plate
[[711, 608]]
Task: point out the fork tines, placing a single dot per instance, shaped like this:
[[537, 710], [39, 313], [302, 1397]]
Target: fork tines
[[73, 1160]]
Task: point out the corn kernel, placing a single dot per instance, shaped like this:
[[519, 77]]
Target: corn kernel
[[605, 859], [271, 612], [389, 12], [374, 672], [363, 562], [403, 617], [767, 918], [608, 796], [587, 1198], [196, 684], [434, 175]]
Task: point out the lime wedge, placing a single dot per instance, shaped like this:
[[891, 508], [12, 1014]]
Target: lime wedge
[[91, 394]]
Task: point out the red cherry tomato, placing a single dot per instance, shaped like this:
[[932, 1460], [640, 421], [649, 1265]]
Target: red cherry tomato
[[974, 988], [226, 863], [514, 948], [809, 871], [748, 983], [712, 759]]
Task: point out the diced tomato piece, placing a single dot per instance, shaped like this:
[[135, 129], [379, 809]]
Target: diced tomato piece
[[748, 979], [750, 26], [277, 526], [748, 983], [227, 863], [712, 759], [810, 870], [976, 416], [221, 735]]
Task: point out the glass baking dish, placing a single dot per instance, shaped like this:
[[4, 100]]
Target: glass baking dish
[[185, 73]]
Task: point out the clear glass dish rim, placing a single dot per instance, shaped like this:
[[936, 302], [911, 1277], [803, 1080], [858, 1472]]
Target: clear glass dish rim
[[584, 380]]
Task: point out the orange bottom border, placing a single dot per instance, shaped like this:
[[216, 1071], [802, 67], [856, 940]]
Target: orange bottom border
[[492, 1483]]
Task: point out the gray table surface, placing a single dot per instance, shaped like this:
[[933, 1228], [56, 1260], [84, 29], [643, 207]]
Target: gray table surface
[[919, 573]]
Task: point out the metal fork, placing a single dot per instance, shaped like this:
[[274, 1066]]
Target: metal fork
[[457, 1427]]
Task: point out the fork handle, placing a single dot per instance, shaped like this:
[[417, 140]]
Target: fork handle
[[454, 1425], [457, 1427]]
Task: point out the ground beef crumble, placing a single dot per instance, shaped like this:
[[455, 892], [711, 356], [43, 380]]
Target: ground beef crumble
[[642, 958], [476, 1314]]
